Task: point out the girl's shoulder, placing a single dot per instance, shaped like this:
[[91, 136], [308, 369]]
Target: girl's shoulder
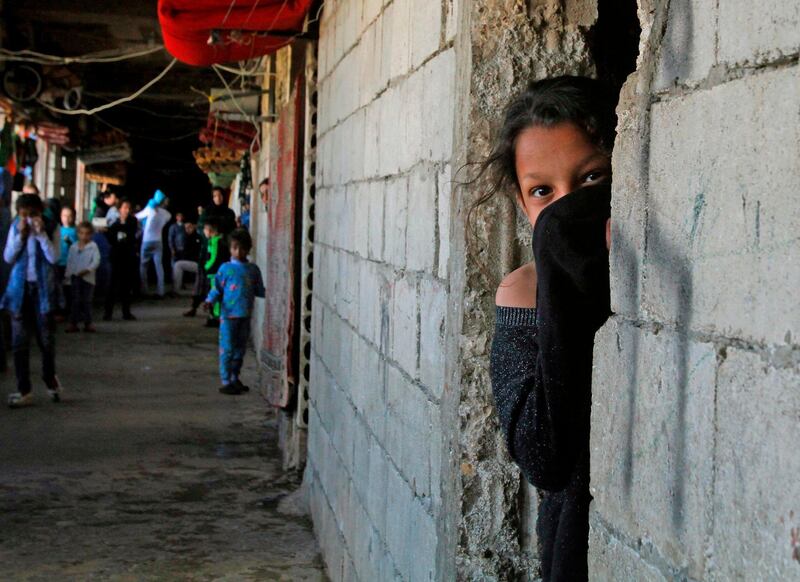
[[518, 288]]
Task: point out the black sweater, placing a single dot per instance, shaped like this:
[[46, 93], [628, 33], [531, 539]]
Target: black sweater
[[541, 363]]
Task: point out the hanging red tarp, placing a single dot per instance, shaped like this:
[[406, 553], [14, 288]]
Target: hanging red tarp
[[240, 28]]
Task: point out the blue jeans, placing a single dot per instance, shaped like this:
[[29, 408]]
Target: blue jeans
[[152, 250], [233, 336]]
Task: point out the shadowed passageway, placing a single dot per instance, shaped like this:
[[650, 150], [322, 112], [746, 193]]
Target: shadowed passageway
[[144, 471]]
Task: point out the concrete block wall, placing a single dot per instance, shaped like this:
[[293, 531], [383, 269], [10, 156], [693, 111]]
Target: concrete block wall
[[696, 403], [386, 93]]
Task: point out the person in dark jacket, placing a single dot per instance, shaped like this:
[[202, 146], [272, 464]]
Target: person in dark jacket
[[124, 264], [219, 211], [553, 157], [214, 253]]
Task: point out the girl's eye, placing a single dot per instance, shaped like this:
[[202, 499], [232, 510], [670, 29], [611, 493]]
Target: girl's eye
[[594, 176], [540, 191]]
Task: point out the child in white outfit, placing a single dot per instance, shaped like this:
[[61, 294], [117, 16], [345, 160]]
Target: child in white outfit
[[82, 263]]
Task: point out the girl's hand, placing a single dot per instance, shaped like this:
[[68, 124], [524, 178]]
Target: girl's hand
[[206, 306], [83, 273], [608, 234], [38, 225], [23, 227]]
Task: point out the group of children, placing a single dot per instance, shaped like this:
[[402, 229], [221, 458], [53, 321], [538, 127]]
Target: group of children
[[53, 269]]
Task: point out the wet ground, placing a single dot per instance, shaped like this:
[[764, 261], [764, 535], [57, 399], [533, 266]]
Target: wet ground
[[145, 471]]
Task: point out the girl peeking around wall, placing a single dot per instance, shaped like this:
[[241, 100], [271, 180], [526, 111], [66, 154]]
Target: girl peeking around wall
[[553, 155]]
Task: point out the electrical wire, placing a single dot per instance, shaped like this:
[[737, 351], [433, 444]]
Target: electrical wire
[[257, 138], [131, 97], [147, 137], [29, 56]]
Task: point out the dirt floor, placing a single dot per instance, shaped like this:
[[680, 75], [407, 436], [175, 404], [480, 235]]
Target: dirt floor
[[145, 471]]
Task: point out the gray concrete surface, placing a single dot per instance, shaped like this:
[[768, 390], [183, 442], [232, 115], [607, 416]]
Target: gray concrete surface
[[146, 472]]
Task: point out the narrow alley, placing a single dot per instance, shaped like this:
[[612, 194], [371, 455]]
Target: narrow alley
[[145, 471]]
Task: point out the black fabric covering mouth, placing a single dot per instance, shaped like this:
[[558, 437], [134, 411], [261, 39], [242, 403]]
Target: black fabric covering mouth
[[544, 405]]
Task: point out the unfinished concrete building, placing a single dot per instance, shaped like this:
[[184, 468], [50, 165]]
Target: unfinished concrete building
[[375, 335]]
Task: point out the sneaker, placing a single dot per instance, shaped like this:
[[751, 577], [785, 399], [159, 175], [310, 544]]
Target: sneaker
[[231, 389], [89, 328], [129, 317], [212, 322], [55, 389], [72, 328], [18, 400], [242, 387], [191, 313]]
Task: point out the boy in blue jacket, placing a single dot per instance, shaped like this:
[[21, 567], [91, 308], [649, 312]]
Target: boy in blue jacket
[[236, 285], [30, 297]]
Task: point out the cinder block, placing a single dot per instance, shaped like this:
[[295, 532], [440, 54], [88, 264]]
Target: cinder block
[[369, 307], [398, 16], [395, 218], [360, 473], [444, 192], [414, 409], [370, 11], [377, 498], [758, 32], [396, 387], [411, 148], [421, 233], [687, 50], [375, 202], [722, 254], [392, 129], [372, 139], [758, 469], [451, 20], [652, 439], [421, 542], [425, 31], [439, 105], [347, 300], [610, 559], [404, 345], [352, 24], [433, 308], [359, 202], [397, 522], [357, 387], [369, 63]]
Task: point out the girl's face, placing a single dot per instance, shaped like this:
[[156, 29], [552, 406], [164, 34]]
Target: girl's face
[[67, 218], [553, 161]]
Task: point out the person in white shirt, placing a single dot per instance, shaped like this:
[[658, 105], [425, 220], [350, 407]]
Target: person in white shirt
[[154, 218], [82, 263]]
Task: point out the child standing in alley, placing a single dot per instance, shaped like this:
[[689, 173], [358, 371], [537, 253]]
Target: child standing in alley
[[215, 253], [30, 297], [82, 263], [236, 285], [68, 236]]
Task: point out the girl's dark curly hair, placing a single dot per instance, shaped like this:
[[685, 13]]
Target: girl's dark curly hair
[[586, 102]]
